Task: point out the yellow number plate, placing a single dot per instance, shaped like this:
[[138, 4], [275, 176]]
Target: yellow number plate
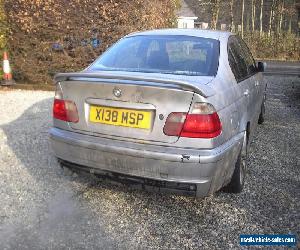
[[121, 117]]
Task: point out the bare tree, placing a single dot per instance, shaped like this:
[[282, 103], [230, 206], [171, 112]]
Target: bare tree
[[253, 14], [275, 15], [290, 12], [215, 9], [261, 17], [243, 12], [281, 16], [231, 16], [272, 10]]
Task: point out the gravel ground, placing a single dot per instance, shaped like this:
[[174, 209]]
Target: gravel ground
[[46, 207]]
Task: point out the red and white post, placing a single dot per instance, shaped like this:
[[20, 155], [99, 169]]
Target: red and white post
[[7, 74]]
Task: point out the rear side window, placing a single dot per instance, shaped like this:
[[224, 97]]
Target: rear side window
[[237, 60], [233, 64], [251, 66]]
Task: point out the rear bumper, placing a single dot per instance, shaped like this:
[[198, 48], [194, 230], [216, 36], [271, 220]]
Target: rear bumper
[[206, 169]]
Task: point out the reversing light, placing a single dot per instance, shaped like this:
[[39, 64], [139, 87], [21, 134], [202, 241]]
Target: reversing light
[[174, 123]]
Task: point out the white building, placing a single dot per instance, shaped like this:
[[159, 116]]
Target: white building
[[185, 17]]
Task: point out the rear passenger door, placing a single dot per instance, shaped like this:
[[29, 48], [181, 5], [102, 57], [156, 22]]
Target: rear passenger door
[[255, 77], [245, 84]]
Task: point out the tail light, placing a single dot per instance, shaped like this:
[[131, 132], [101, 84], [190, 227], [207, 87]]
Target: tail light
[[202, 122], [64, 110]]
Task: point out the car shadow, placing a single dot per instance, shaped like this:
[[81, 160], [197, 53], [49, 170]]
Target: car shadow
[[48, 210]]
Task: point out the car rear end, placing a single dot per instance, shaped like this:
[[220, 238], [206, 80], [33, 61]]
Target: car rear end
[[159, 128]]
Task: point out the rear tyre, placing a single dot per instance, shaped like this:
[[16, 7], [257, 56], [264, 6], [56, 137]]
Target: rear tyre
[[261, 118], [238, 177]]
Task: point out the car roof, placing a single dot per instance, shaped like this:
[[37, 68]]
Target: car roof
[[214, 34]]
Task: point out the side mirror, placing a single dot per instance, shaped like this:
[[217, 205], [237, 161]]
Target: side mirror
[[261, 66]]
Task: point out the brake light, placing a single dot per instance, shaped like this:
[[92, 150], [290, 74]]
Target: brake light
[[65, 110], [202, 122], [201, 126]]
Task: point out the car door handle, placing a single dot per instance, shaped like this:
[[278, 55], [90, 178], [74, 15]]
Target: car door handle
[[246, 92]]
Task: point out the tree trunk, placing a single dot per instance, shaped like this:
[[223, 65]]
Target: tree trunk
[[247, 22], [215, 7], [281, 17], [231, 16], [261, 17], [253, 14], [243, 11], [271, 18]]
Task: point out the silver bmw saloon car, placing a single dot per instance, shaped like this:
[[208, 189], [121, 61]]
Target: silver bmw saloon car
[[173, 109]]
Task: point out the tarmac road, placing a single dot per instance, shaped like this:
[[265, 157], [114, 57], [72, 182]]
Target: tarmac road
[[282, 68]]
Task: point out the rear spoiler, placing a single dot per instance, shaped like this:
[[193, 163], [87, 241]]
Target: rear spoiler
[[202, 89]]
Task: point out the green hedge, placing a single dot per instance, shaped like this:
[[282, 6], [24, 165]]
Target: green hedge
[[283, 46], [46, 37]]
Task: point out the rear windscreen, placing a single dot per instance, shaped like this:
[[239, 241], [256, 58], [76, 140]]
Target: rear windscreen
[[184, 55]]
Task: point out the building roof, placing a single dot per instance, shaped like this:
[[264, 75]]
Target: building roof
[[185, 10]]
